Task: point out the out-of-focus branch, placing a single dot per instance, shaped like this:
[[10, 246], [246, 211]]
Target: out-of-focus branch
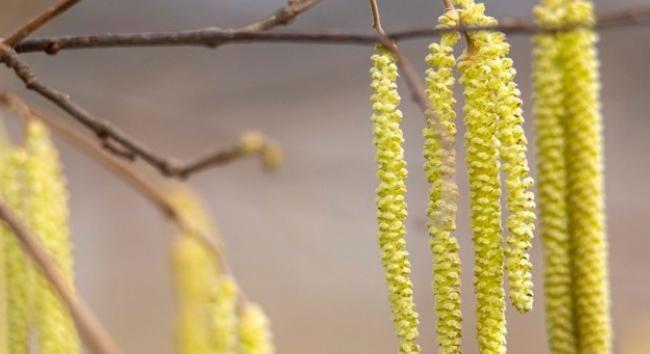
[[213, 37], [282, 17], [120, 143], [39, 21], [90, 329]]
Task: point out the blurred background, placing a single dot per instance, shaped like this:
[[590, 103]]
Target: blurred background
[[302, 241]]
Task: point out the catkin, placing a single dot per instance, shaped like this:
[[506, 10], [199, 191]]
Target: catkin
[[549, 114], [224, 317], [391, 204], [440, 168], [254, 332], [47, 214], [482, 148], [579, 63], [19, 273]]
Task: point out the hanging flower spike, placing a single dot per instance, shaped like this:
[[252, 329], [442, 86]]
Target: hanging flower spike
[[440, 169], [482, 147], [18, 271], [520, 199], [254, 332], [585, 180], [391, 205], [224, 320], [47, 213], [552, 188]]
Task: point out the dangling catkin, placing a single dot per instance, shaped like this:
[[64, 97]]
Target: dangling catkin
[[254, 332], [551, 163], [19, 273], [391, 205], [584, 180], [440, 168], [47, 213], [482, 148]]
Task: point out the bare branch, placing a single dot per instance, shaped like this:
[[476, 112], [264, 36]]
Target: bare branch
[[113, 139], [90, 329], [282, 17], [39, 21], [213, 37]]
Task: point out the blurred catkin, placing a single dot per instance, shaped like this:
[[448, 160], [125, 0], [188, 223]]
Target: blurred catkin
[[47, 214], [224, 317], [550, 113], [482, 148], [19, 272], [254, 332], [391, 203], [440, 166], [579, 63]]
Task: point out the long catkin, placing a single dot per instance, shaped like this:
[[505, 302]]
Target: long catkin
[[47, 213], [549, 114], [579, 63], [482, 149], [19, 273], [391, 204], [440, 166]]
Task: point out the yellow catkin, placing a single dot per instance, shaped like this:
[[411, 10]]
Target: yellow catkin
[[440, 169], [391, 204], [224, 317], [19, 274], [47, 214], [579, 63], [552, 189], [482, 148], [254, 333]]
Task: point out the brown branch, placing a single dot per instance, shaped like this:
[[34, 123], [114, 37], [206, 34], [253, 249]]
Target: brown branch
[[113, 139], [39, 21], [376, 17], [90, 329], [213, 37], [282, 17]]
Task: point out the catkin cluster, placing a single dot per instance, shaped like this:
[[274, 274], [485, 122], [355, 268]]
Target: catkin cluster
[[32, 183], [440, 166], [570, 158], [391, 203], [211, 316]]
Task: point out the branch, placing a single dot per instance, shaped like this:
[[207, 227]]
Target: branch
[[91, 330], [213, 37], [115, 140], [282, 17], [39, 21]]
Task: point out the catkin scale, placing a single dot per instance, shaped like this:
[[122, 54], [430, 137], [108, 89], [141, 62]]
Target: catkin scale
[[391, 204], [549, 113], [440, 168], [584, 180], [223, 327], [254, 332], [19, 273], [47, 214]]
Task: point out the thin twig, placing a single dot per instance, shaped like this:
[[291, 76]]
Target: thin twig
[[214, 37], [282, 17], [113, 139], [39, 21], [90, 329], [376, 17]]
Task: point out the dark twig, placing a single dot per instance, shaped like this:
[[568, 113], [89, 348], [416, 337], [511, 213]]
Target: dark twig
[[39, 21], [113, 139], [90, 329], [212, 37], [282, 17]]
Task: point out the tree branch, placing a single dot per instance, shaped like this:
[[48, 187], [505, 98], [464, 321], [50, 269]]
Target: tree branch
[[115, 140], [214, 37], [90, 329], [39, 21], [282, 17]]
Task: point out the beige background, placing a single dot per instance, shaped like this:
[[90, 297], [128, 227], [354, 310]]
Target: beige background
[[301, 241]]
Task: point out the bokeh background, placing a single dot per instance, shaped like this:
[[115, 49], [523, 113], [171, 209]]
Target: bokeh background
[[302, 241]]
